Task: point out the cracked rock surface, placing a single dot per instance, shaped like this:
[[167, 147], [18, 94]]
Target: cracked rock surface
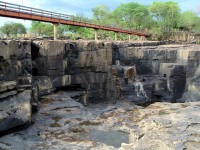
[[64, 124]]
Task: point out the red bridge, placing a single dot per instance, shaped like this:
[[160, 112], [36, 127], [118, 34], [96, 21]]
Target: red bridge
[[28, 13]]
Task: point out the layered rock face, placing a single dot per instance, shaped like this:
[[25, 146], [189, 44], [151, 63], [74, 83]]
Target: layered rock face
[[15, 84], [165, 71], [140, 72], [82, 65]]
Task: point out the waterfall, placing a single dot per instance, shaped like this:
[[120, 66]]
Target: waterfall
[[117, 62], [139, 89]]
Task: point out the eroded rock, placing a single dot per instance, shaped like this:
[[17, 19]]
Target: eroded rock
[[15, 110], [15, 84]]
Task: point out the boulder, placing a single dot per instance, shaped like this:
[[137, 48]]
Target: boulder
[[7, 85], [15, 110], [44, 84]]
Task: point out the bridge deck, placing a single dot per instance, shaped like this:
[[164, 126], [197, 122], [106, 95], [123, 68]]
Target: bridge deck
[[28, 13]]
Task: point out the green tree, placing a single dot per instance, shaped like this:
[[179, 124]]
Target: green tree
[[18, 28], [76, 32], [37, 28], [46, 29], [166, 14], [132, 15], [62, 29], [101, 13], [189, 20], [79, 32], [7, 29], [41, 29], [11, 28]]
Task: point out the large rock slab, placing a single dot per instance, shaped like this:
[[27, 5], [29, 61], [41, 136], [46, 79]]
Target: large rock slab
[[192, 92], [63, 122], [168, 126], [15, 84], [77, 64], [15, 110]]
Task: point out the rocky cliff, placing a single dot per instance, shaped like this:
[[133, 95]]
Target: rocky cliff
[[166, 71], [142, 72], [84, 66], [15, 84]]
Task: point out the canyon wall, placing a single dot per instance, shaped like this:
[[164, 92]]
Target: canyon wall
[[167, 70], [84, 66], [142, 72], [15, 84]]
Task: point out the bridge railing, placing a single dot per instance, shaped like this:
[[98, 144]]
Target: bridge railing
[[35, 11], [40, 12], [32, 11]]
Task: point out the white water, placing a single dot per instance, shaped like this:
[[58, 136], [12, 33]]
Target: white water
[[139, 89]]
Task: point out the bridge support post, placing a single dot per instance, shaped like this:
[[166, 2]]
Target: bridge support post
[[55, 26], [95, 35], [138, 38], [129, 37], [115, 36]]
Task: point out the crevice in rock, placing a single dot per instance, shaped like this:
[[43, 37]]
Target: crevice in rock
[[34, 51]]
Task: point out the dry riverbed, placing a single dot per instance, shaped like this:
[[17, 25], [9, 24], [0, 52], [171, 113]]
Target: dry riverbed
[[64, 124]]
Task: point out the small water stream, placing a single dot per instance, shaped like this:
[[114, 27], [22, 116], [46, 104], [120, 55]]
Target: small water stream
[[139, 89]]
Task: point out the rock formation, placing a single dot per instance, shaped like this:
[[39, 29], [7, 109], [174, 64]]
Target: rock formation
[[15, 84], [142, 72], [80, 65]]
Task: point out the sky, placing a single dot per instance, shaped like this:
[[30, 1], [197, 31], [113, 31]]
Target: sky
[[73, 7]]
